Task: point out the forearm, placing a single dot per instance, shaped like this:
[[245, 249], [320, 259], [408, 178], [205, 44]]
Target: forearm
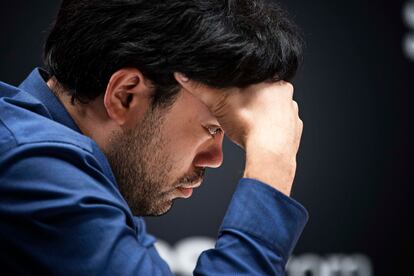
[[276, 170], [258, 234]]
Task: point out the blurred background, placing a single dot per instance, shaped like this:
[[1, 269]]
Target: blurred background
[[355, 92]]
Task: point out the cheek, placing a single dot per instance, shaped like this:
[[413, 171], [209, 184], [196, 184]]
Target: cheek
[[181, 142], [181, 145]]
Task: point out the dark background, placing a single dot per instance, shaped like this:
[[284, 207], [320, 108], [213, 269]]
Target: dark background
[[355, 162]]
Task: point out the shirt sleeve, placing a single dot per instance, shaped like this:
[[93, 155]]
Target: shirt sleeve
[[258, 234], [59, 215]]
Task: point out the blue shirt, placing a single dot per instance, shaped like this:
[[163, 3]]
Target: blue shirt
[[61, 211]]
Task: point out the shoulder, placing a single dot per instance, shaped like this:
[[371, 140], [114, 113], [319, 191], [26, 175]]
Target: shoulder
[[49, 166], [54, 179], [25, 120], [36, 149]]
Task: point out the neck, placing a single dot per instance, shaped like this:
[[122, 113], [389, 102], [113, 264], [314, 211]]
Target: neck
[[91, 118]]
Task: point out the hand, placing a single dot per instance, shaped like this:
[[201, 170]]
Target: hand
[[263, 119]]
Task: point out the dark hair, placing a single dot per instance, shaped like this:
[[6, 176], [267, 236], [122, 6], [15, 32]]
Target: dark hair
[[221, 43]]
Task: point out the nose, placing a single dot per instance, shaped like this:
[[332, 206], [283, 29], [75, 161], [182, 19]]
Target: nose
[[211, 154]]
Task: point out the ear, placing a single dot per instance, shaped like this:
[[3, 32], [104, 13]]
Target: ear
[[127, 95]]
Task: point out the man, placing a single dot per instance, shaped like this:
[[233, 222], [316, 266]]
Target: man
[[130, 111]]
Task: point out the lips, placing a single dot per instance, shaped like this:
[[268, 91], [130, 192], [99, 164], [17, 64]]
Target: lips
[[186, 192], [192, 186]]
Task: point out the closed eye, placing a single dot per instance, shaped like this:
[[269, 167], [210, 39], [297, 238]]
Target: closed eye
[[213, 130]]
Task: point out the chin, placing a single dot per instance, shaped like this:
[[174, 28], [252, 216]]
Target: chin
[[160, 209]]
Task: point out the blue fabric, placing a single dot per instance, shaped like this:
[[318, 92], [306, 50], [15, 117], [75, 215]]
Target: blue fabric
[[61, 212]]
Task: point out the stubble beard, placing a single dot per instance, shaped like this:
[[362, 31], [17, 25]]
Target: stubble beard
[[141, 166]]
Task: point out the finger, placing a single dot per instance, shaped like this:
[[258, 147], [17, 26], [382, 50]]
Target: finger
[[295, 106], [286, 86], [207, 95], [300, 129]]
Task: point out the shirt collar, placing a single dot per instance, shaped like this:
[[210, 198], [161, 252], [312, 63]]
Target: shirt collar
[[35, 84]]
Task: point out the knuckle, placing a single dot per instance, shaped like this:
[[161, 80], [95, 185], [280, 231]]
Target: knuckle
[[289, 88], [286, 86]]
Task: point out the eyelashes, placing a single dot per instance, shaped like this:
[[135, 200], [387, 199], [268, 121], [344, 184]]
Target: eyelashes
[[214, 130]]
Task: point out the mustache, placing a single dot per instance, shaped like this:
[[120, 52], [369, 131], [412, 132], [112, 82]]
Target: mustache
[[194, 177]]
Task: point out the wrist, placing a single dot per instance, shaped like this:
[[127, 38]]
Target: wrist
[[276, 170]]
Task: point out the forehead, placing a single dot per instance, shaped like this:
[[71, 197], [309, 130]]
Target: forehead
[[187, 107]]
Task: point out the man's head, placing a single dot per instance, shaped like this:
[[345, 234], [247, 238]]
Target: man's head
[[117, 58]]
